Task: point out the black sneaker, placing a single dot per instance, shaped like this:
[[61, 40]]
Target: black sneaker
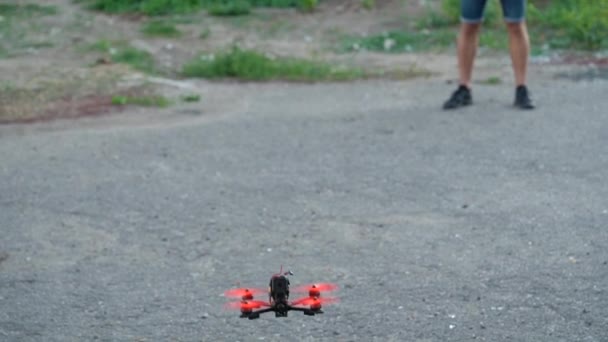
[[522, 98], [461, 97]]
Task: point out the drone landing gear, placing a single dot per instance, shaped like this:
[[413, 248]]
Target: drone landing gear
[[256, 314], [312, 312]]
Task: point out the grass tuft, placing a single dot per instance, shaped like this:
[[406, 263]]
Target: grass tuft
[[27, 10], [191, 98], [148, 7], [121, 52], [138, 59], [215, 7], [231, 8], [22, 28], [492, 80], [161, 28], [254, 66], [572, 23], [145, 101]]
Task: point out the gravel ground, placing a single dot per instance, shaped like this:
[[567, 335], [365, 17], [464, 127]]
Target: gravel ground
[[486, 223]]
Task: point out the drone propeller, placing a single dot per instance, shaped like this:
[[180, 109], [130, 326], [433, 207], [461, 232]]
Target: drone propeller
[[243, 293], [315, 290], [246, 305], [315, 302]]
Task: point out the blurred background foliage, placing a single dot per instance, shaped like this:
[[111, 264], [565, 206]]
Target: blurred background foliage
[[564, 23], [558, 23]]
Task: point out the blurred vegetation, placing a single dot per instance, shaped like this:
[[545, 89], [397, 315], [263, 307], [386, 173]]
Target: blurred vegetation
[[144, 101], [26, 10], [572, 23], [121, 52], [215, 7], [191, 98], [255, 66], [558, 23], [161, 28], [231, 8], [20, 27]]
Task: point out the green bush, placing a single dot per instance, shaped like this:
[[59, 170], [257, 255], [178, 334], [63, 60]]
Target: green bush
[[144, 101], [140, 60], [561, 23], [582, 23], [149, 7], [230, 8], [274, 3], [254, 66], [26, 10], [160, 28], [216, 7], [308, 5], [368, 4], [121, 52]]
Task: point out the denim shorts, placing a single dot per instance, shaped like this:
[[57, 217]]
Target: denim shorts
[[514, 11]]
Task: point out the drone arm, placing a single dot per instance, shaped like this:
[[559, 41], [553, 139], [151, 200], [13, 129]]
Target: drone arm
[[306, 311], [256, 314]]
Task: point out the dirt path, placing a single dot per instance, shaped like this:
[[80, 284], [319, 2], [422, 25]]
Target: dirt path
[[57, 79]]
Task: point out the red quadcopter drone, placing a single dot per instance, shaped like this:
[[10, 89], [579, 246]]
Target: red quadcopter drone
[[278, 298]]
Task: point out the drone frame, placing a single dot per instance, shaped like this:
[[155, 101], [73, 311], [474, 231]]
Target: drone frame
[[282, 312], [278, 303]]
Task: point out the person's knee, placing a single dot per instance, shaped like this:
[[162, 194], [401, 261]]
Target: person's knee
[[470, 29], [516, 28]]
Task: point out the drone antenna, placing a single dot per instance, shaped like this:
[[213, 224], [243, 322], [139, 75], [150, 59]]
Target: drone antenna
[[285, 273]]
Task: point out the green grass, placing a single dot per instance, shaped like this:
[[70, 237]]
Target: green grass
[[216, 7], [494, 38], [268, 3], [26, 10], [559, 24], [231, 8], [161, 28], [400, 41], [205, 33], [138, 59], [191, 98], [18, 24], [368, 4], [434, 20], [492, 80], [148, 7], [144, 101], [3, 52], [253, 66], [308, 5], [572, 23], [121, 52]]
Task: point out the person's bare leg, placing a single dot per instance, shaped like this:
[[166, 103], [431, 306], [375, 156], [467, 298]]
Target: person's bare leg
[[519, 46], [468, 40]]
